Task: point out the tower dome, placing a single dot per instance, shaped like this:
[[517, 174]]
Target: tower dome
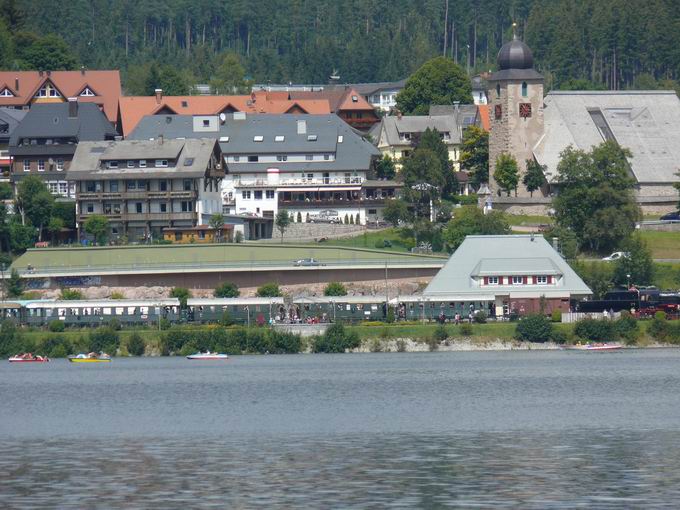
[[515, 55]]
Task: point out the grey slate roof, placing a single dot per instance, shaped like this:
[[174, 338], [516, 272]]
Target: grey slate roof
[[367, 89], [466, 114], [392, 126], [505, 256], [646, 122], [51, 120], [354, 153], [193, 158], [10, 117]]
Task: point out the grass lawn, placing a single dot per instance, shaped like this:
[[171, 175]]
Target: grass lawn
[[664, 245], [527, 220], [373, 240], [667, 276]]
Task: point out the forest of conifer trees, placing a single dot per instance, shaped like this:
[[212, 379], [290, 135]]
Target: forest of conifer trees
[[577, 43]]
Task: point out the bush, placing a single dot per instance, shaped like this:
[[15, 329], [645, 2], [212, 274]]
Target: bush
[[104, 339], [117, 295], [227, 290], [135, 345], [390, 315], [556, 316], [380, 244], [595, 330], [627, 328], [659, 329], [115, 324], [559, 336], [238, 237], [57, 326], [234, 341], [57, 346], [335, 289], [466, 329], [401, 345], [480, 317], [336, 339], [269, 290], [71, 295], [432, 343], [10, 339], [534, 328], [226, 319], [440, 334], [182, 294]]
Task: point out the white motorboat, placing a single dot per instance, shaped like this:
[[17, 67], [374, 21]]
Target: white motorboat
[[208, 356]]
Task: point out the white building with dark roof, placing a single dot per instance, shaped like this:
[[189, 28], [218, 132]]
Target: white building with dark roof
[[507, 274]]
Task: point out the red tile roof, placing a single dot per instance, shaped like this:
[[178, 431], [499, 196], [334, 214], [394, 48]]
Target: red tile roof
[[24, 85], [484, 118], [134, 108], [339, 98]]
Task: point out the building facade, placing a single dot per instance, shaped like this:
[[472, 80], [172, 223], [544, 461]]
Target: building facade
[[508, 275], [142, 187], [314, 166], [10, 119], [44, 143]]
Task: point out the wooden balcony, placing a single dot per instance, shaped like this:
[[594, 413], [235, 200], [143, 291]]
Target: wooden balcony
[[138, 195], [166, 217]]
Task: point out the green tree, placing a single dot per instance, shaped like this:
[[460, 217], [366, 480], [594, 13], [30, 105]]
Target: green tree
[[70, 294], [595, 199], [49, 53], [135, 345], [474, 155], [638, 264], [431, 139], [423, 180], [97, 226], [438, 81], [227, 290], [54, 227], [597, 276], [6, 191], [282, 221], [395, 211], [230, 76], [335, 289], [34, 202], [336, 339], [534, 328], [181, 293], [269, 290], [21, 237], [535, 176], [470, 220], [216, 222], [384, 167], [14, 285], [10, 339], [506, 173]]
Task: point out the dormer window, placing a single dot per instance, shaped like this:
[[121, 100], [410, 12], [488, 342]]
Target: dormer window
[[130, 163], [279, 138], [87, 92], [6, 93], [541, 280], [112, 164], [48, 90], [258, 138], [312, 138], [517, 280], [161, 163], [355, 99], [492, 280], [340, 138]]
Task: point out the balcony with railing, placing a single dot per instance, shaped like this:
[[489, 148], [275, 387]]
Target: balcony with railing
[[283, 183], [146, 216], [136, 195]]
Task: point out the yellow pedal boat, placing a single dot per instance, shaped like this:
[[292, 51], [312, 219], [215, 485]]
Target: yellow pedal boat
[[90, 358]]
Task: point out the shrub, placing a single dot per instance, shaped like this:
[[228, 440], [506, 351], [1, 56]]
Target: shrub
[[56, 326], [117, 295], [534, 328], [659, 328], [70, 294], [376, 345], [480, 317], [227, 290], [135, 345], [380, 244], [182, 294], [559, 336], [226, 319], [115, 324], [390, 315], [335, 289], [627, 327], [238, 237], [269, 290], [432, 343], [440, 334], [466, 329], [10, 339], [57, 346], [595, 330], [556, 316], [165, 323], [104, 339], [336, 339]]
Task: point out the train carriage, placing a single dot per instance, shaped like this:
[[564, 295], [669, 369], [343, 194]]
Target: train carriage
[[247, 311]]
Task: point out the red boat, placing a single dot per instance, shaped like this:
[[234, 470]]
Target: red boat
[[28, 358]]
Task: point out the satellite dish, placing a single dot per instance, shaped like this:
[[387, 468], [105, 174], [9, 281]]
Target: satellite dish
[[223, 118]]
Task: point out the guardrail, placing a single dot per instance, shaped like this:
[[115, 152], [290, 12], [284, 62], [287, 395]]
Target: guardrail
[[44, 271]]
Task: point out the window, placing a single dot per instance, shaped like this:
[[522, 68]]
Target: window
[[185, 104], [131, 184], [525, 89], [178, 236], [258, 138], [201, 234], [60, 164], [493, 280], [312, 138], [187, 184], [142, 163], [258, 194], [161, 163], [141, 185], [163, 185], [498, 90], [113, 186], [6, 93], [206, 122], [48, 90], [340, 138], [372, 211], [187, 206], [138, 207], [541, 280], [253, 159], [517, 280], [130, 163], [113, 164], [355, 99], [54, 188], [89, 187], [326, 157], [41, 165], [525, 110], [245, 195], [89, 208], [27, 165], [282, 157], [309, 157], [279, 138], [164, 207], [63, 188], [237, 159], [270, 194], [87, 92], [498, 112]]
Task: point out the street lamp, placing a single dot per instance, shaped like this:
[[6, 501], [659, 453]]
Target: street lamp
[[628, 279]]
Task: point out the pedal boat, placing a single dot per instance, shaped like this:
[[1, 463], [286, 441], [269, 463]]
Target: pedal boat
[[28, 358], [90, 358]]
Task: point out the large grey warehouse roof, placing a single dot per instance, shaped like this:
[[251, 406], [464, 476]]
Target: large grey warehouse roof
[[269, 134], [520, 255], [646, 122]]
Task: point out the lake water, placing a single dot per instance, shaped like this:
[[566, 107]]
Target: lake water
[[429, 430]]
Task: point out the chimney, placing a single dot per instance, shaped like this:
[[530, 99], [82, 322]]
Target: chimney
[[49, 73], [456, 105], [160, 139], [16, 84], [159, 95], [40, 73], [72, 107], [301, 127], [82, 70]]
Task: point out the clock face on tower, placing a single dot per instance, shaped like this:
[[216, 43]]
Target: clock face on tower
[[525, 110]]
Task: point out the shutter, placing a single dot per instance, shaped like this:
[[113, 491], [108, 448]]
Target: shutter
[[486, 280], [550, 279], [525, 280]]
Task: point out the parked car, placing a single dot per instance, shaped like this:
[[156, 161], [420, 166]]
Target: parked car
[[615, 256], [674, 216], [306, 262], [327, 216]]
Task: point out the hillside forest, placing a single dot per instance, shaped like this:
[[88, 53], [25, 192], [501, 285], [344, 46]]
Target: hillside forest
[[611, 44]]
